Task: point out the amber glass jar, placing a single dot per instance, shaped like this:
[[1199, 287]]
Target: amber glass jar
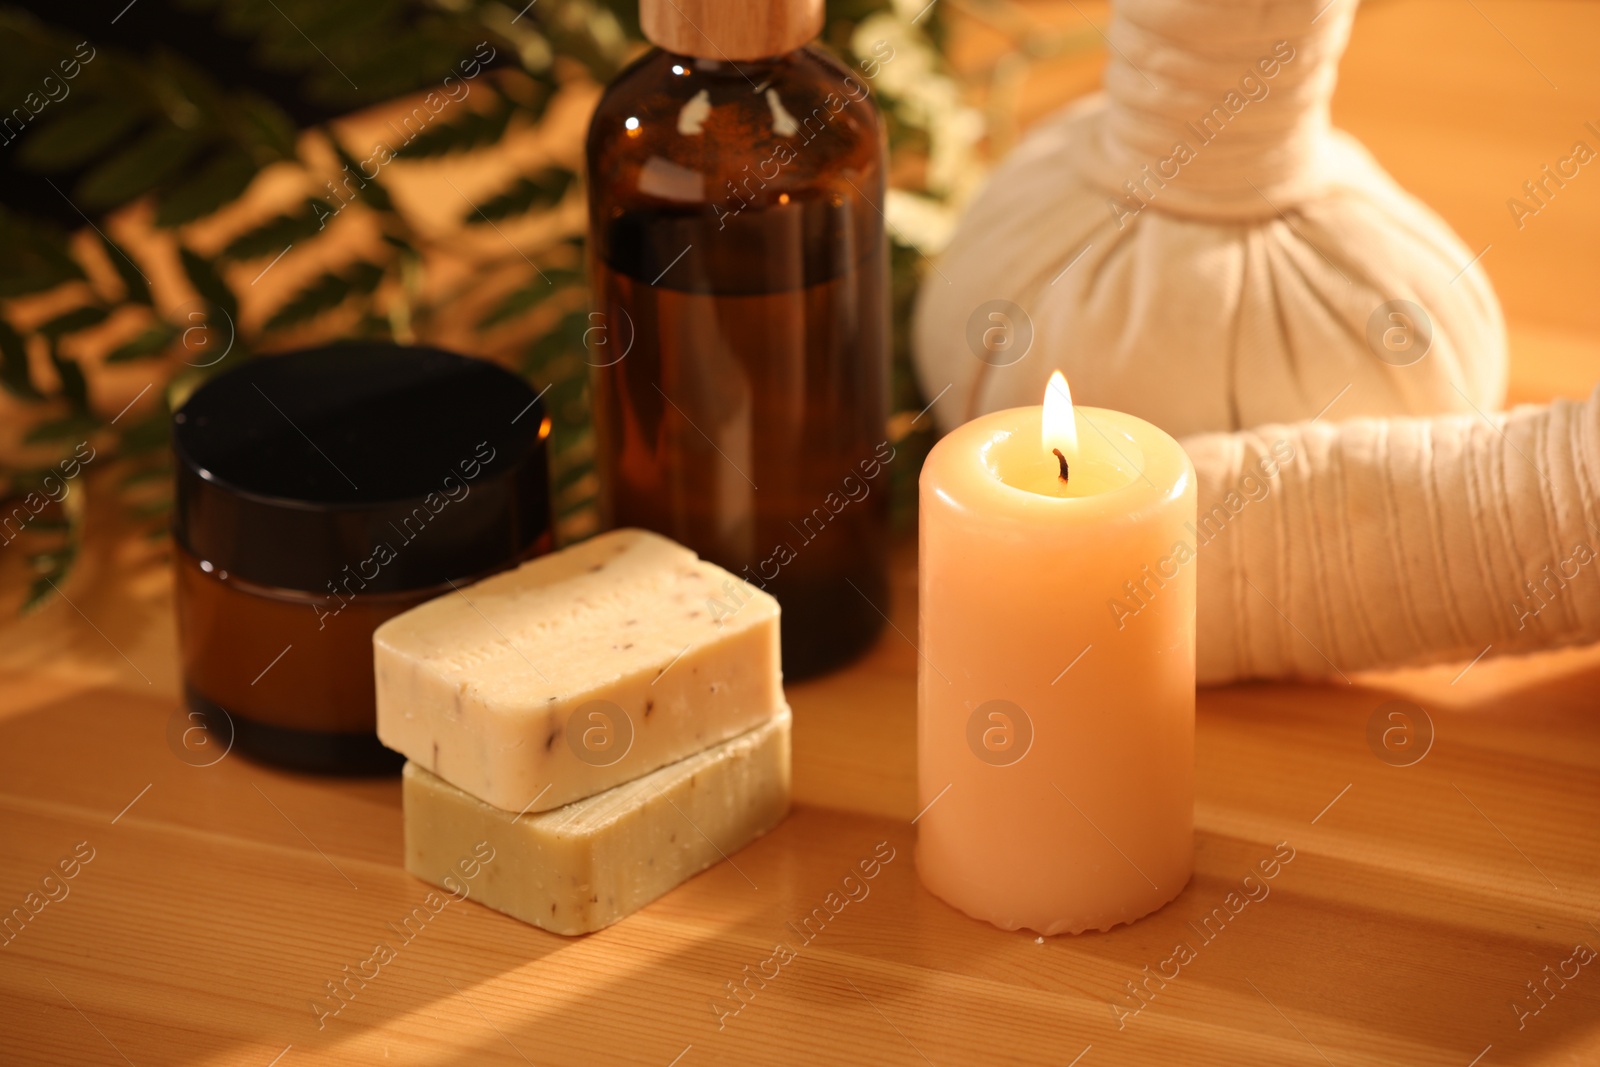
[[321, 493], [740, 339]]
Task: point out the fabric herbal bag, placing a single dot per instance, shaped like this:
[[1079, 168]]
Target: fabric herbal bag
[[1198, 246]]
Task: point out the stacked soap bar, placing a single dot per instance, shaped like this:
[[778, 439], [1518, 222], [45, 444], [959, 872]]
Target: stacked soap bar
[[610, 718], [587, 864]]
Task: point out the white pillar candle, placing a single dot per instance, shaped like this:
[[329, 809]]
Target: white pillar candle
[[1056, 683]]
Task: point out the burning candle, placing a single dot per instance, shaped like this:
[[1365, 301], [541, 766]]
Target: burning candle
[[1055, 734]]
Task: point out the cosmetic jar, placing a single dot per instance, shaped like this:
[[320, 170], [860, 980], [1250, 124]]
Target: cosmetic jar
[[320, 493]]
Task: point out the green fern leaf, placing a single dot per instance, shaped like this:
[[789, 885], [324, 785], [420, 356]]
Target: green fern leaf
[[278, 233], [220, 181], [324, 294], [133, 279], [78, 319], [80, 133], [428, 138], [15, 373], [139, 168], [209, 284], [542, 189]]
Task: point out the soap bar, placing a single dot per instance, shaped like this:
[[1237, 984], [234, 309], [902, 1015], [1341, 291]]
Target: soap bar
[[577, 671], [584, 866]]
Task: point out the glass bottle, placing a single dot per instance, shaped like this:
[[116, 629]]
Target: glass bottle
[[740, 337]]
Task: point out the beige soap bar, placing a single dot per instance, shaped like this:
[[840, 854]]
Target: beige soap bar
[[586, 865], [578, 671]]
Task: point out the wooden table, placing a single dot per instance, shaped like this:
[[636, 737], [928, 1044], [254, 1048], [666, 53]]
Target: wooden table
[[1419, 903]]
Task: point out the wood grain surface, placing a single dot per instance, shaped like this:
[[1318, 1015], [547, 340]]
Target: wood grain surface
[[1419, 904]]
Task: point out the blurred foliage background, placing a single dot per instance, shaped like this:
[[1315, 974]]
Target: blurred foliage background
[[189, 183]]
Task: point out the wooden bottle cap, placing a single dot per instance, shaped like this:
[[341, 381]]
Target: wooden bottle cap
[[730, 29]]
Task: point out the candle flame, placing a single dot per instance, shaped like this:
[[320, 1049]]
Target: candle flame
[[1060, 428]]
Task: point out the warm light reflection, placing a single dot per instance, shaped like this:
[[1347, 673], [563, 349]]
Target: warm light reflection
[[1060, 429]]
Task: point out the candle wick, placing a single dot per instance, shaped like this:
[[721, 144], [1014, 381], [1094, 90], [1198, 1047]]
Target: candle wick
[[1063, 461]]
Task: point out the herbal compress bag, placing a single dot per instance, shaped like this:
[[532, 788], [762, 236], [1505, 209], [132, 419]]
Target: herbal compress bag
[[1325, 548], [1199, 247]]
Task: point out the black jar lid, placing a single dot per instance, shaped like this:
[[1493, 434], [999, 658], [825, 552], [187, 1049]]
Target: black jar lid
[[405, 466]]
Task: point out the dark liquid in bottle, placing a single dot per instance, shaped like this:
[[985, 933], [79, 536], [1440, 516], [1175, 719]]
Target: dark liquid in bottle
[[748, 416], [740, 275]]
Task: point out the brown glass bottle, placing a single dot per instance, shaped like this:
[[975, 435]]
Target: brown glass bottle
[[741, 344]]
